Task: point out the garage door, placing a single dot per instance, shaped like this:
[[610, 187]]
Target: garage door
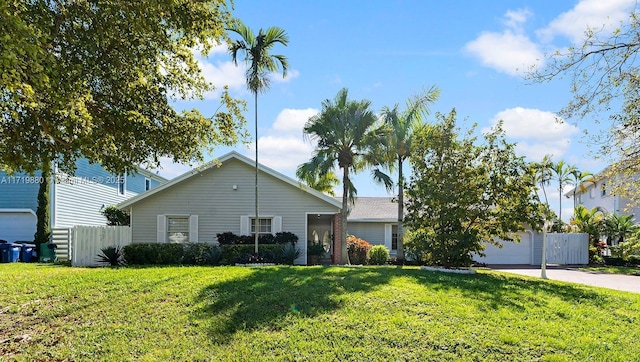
[[510, 253], [17, 226]]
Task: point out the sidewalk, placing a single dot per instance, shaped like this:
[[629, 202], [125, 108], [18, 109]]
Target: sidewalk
[[627, 283]]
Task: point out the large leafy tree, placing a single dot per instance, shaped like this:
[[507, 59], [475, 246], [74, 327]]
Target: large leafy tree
[[399, 128], [344, 135], [463, 193], [604, 70], [260, 63], [96, 80]]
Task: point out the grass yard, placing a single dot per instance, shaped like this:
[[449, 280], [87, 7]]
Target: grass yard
[[626, 270], [52, 313]]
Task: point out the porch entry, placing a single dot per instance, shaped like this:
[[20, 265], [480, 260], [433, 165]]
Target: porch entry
[[320, 230]]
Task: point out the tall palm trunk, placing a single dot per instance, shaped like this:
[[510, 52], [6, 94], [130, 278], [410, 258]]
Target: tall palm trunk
[[560, 198], [400, 231], [257, 221], [344, 254]]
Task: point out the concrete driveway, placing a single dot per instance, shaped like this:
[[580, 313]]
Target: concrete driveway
[[627, 283]]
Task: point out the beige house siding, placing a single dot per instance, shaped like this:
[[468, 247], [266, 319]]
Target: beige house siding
[[211, 196]]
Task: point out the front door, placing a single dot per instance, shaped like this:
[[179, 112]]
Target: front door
[[319, 230]]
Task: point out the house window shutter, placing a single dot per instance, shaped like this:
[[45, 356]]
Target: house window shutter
[[388, 230], [244, 225], [193, 228], [277, 224], [162, 229]]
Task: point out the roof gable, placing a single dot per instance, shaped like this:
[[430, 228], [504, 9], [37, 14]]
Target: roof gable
[[220, 163]]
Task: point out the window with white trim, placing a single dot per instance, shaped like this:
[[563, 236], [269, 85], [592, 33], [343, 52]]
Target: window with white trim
[[603, 189], [394, 237], [265, 225], [178, 229]]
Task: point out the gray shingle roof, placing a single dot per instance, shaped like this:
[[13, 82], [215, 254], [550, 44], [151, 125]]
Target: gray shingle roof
[[374, 208]]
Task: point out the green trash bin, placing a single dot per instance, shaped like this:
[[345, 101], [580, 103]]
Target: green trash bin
[[47, 253]]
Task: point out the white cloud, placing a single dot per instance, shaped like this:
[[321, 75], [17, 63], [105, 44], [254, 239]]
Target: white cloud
[[169, 169], [291, 74], [508, 52], [595, 14], [284, 153], [527, 123], [219, 49], [515, 18], [291, 121], [283, 147], [221, 74], [537, 132], [536, 151], [513, 52]]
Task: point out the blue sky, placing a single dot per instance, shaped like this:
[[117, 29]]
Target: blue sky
[[387, 51]]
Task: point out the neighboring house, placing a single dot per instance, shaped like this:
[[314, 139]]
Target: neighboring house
[[219, 198], [597, 194], [75, 200]]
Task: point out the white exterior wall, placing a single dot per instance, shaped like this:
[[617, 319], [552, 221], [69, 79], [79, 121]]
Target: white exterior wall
[[593, 198], [79, 203]]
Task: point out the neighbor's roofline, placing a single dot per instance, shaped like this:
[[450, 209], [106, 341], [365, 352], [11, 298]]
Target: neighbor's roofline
[[221, 160]]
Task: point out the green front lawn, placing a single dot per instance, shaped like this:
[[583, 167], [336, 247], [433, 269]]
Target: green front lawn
[[307, 313], [626, 270]]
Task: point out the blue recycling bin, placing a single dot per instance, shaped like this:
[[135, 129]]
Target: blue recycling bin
[[27, 252], [4, 252], [10, 252]]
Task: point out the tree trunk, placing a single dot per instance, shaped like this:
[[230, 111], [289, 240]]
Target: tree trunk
[[257, 221], [43, 229], [344, 254]]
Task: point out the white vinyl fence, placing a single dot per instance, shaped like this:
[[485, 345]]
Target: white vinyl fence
[[82, 244], [567, 249], [88, 241]]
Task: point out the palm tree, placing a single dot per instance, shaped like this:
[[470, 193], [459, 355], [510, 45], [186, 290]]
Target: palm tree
[[343, 132], [544, 174], [590, 222], [400, 127], [580, 179], [324, 183], [562, 172], [617, 227], [260, 63]]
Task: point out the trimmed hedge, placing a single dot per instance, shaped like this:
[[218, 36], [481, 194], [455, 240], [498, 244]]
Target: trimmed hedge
[[284, 237], [243, 254], [206, 254], [171, 254]]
